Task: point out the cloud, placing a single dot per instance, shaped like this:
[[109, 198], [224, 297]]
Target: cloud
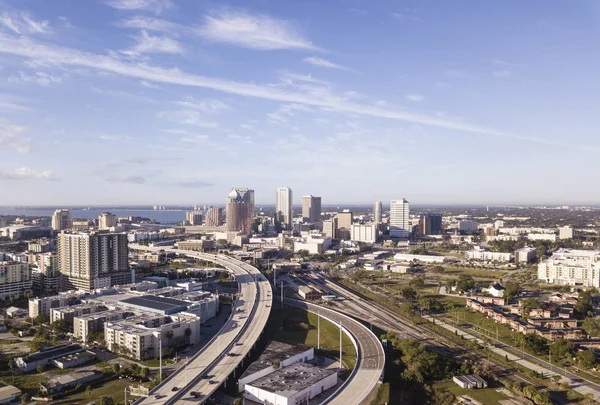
[[127, 179], [194, 184], [255, 31], [187, 117], [22, 23], [147, 43], [313, 60], [117, 138], [415, 97], [195, 139], [9, 106], [285, 112], [314, 96], [39, 78], [26, 173], [150, 24], [409, 14], [205, 106], [501, 73], [150, 5], [122, 94], [11, 137]]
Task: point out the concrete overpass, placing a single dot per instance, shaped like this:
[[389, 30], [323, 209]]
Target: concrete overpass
[[248, 318]]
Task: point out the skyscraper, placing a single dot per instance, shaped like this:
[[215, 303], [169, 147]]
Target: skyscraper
[[377, 211], [88, 261], [194, 218], [283, 207], [344, 220], [61, 220], [399, 218], [214, 217], [240, 210], [430, 223], [106, 220], [311, 208]]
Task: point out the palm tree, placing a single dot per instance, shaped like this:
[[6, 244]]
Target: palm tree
[[169, 336], [188, 333], [88, 390], [11, 365]]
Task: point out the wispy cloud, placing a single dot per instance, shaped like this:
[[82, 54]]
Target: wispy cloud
[[314, 60], [207, 106], [11, 106], [22, 23], [310, 96], [187, 117], [117, 138], [122, 94], [11, 136], [26, 173], [194, 184], [39, 78], [201, 139], [149, 5], [408, 14], [415, 97], [147, 43], [255, 31], [130, 179], [150, 24], [502, 73]]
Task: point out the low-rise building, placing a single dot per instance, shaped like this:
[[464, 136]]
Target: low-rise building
[[480, 254], [496, 290], [314, 243], [8, 393], [196, 245], [14, 312], [525, 255], [85, 325], [42, 306], [62, 382], [67, 314], [45, 357], [291, 385], [404, 257], [571, 267], [367, 233], [542, 236], [470, 381]]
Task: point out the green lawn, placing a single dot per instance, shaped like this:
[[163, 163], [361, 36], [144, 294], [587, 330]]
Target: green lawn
[[114, 388], [487, 396], [475, 273], [295, 326], [29, 383]]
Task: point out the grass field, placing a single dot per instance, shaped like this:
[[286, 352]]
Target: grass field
[[487, 396], [29, 383], [114, 388], [475, 273], [282, 327]]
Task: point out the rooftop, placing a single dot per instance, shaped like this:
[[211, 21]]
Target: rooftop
[[53, 353], [155, 302], [274, 351], [292, 379], [8, 391]]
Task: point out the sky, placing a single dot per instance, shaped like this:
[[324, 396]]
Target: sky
[[177, 101]]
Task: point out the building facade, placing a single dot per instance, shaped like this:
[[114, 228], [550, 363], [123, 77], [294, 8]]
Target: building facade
[[399, 218], [106, 221], [90, 261], [45, 274], [62, 220], [311, 208], [330, 228], [240, 211], [468, 226], [15, 280], [214, 217], [366, 233], [194, 218], [283, 207], [571, 267], [344, 220], [525, 255], [430, 224], [377, 212]]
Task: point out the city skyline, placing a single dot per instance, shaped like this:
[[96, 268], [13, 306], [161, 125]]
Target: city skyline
[[158, 101]]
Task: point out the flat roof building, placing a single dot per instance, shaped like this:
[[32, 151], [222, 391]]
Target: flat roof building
[[154, 303]]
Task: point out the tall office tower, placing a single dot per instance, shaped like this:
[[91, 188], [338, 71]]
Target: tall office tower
[[344, 220], [399, 221], [88, 261], [193, 217], [283, 207], [214, 217], [430, 223], [61, 220], [106, 220], [377, 212], [330, 227], [240, 210], [311, 208]]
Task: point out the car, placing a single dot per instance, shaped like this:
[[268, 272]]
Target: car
[[206, 377], [175, 389], [193, 393], [198, 395], [157, 396], [239, 344], [231, 354], [212, 382]]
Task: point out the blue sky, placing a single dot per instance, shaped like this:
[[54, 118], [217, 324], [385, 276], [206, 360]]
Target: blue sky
[[166, 101]]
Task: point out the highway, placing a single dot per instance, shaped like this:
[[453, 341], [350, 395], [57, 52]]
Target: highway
[[248, 318], [370, 356]]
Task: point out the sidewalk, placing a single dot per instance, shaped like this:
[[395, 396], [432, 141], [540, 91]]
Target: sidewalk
[[582, 389]]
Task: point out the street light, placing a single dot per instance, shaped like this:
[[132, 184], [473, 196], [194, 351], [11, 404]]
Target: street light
[[159, 337]]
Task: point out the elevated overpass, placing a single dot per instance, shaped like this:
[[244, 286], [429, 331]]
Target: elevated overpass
[[242, 329]]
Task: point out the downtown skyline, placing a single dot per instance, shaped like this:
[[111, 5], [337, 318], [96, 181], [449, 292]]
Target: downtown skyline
[[127, 102]]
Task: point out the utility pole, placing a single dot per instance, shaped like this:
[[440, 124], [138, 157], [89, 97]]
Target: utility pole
[[160, 354], [282, 295], [340, 345], [318, 330]]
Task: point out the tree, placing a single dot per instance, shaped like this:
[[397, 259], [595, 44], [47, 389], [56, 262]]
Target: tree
[[237, 401], [40, 368], [169, 336], [512, 290], [586, 358], [144, 372], [409, 294], [40, 319], [276, 364], [59, 325], [418, 281], [561, 349], [530, 303], [438, 269], [25, 398], [88, 390], [584, 304], [11, 365], [78, 387], [303, 253], [116, 368], [188, 333], [104, 400], [465, 283], [591, 326], [359, 275]]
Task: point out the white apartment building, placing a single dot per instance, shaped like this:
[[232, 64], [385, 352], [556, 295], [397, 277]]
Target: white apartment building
[[468, 225], [542, 236], [571, 267], [194, 218], [366, 233], [399, 218], [524, 231], [525, 255], [15, 280], [566, 232], [106, 221], [315, 243], [283, 207], [42, 306], [484, 255], [61, 220], [330, 228]]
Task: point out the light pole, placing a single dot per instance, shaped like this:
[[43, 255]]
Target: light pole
[[159, 337]]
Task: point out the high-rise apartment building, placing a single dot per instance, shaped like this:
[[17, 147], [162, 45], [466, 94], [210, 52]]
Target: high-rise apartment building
[[430, 223], [311, 208], [283, 207], [91, 261], [15, 280], [214, 217], [194, 218], [399, 218], [240, 210], [45, 274], [571, 267], [330, 228], [106, 220], [377, 212], [61, 220], [344, 220]]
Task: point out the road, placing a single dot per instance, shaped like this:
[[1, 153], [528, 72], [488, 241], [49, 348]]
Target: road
[[370, 356], [249, 315]]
